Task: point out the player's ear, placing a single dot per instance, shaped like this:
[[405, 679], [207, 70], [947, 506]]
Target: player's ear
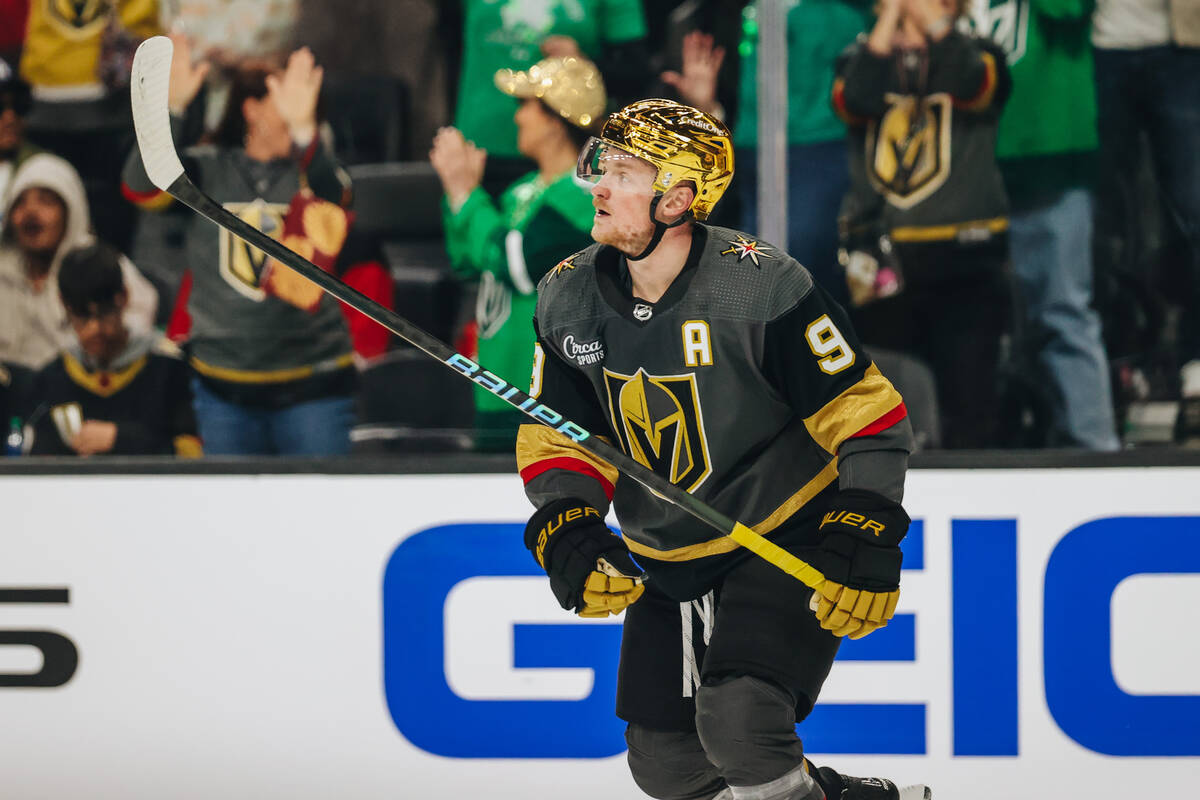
[[677, 200]]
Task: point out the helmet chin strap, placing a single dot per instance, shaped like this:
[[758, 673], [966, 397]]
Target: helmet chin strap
[[659, 229]]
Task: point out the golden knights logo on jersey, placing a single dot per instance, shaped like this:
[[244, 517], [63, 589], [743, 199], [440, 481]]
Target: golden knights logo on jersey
[[660, 424], [79, 16], [908, 151], [240, 264]]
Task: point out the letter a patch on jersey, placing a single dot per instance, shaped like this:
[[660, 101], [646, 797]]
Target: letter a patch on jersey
[[660, 424]]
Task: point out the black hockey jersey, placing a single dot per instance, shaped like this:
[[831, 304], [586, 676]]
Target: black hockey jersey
[[252, 346], [146, 393], [740, 385], [922, 137]]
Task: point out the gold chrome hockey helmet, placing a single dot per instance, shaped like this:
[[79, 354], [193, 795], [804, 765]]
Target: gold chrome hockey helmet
[[683, 144]]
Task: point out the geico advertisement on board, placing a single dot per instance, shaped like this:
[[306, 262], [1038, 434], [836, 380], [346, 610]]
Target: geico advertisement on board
[[379, 636]]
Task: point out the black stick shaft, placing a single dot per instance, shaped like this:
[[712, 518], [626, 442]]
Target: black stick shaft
[[187, 192]]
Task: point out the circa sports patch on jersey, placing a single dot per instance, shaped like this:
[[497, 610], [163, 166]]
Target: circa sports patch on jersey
[[743, 247], [581, 352]]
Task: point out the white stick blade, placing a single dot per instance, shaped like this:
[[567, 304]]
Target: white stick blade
[[148, 87]]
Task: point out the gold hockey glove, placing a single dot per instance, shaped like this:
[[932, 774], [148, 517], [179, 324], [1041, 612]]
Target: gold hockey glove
[[590, 569], [859, 555]]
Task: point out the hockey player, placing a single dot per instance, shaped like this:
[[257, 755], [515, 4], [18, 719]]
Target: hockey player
[[712, 358]]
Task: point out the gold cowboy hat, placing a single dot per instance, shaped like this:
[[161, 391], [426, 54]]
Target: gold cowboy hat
[[571, 86]]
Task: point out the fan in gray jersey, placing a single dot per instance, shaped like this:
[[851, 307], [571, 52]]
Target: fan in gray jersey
[[712, 358]]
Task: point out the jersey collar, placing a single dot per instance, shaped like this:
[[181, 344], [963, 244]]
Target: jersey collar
[[616, 285]]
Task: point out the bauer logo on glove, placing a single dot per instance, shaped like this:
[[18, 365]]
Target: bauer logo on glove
[[590, 569], [564, 516], [853, 520], [859, 555]]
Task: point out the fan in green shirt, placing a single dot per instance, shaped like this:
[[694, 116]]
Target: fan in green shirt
[[817, 31], [1047, 138], [513, 34], [541, 216]]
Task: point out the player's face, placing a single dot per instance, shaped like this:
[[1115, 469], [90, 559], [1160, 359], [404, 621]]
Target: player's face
[[39, 220], [101, 331], [622, 198]]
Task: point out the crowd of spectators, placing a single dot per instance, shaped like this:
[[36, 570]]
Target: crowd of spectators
[[1005, 194]]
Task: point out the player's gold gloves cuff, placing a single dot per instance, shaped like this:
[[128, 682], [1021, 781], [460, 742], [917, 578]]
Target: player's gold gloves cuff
[[852, 612], [860, 559], [608, 591], [590, 569]]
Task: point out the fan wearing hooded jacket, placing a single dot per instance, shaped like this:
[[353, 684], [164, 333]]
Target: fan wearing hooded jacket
[[46, 215]]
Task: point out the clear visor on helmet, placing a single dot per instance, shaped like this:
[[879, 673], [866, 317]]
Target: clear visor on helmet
[[628, 172]]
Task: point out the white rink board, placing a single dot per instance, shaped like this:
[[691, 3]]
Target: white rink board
[[231, 639]]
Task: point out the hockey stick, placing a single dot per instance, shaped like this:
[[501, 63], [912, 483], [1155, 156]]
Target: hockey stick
[[151, 118]]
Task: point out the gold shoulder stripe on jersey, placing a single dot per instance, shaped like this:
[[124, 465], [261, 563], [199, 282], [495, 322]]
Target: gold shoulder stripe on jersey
[[537, 443], [852, 410]]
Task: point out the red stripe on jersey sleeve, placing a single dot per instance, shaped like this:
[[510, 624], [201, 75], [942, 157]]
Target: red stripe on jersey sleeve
[[838, 100], [573, 464], [987, 88], [138, 198], [153, 200], [883, 423]]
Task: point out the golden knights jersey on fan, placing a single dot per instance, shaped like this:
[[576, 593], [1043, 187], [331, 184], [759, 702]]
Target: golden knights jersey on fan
[[921, 126], [244, 340], [743, 385], [145, 392]]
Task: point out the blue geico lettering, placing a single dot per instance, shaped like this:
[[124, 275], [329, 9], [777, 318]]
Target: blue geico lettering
[[1081, 692], [419, 577], [506, 391], [1081, 576]]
